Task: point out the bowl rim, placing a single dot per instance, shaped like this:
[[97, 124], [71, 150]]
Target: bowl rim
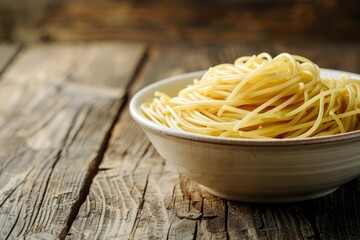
[[170, 132]]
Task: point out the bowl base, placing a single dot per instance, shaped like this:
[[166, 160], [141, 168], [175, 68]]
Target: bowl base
[[269, 199]]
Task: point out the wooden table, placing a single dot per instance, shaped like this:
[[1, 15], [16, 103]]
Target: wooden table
[[74, 165]]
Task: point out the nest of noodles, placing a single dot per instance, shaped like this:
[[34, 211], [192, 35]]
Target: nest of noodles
[[261, 97]]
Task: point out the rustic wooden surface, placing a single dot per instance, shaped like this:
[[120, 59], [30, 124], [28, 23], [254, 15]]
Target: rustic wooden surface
[[215, 21], [58, 105], [74, 165]]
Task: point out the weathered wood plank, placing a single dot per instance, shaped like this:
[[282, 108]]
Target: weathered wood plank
[[337, 216], [135, 162], [7, 52], [184, 20], [58, 104], [253, 221]]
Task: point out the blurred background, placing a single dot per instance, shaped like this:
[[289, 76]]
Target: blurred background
[[193, 21]]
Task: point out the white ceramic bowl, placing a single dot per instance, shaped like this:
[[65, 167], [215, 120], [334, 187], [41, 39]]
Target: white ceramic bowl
[[253, 170]]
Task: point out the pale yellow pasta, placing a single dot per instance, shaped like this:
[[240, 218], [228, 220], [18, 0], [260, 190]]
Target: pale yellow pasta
[[261, 97]]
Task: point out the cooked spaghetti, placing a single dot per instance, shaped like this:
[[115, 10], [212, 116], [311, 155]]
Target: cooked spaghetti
[[261, 97]]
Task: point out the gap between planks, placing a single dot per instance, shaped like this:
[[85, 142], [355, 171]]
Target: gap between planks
[[8, 54], [89, 181], [16, 76]]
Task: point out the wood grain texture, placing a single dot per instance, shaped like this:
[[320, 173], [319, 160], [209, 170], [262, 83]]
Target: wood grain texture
[[137, 195], [57, 106], [184, 20], [337, 216]]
